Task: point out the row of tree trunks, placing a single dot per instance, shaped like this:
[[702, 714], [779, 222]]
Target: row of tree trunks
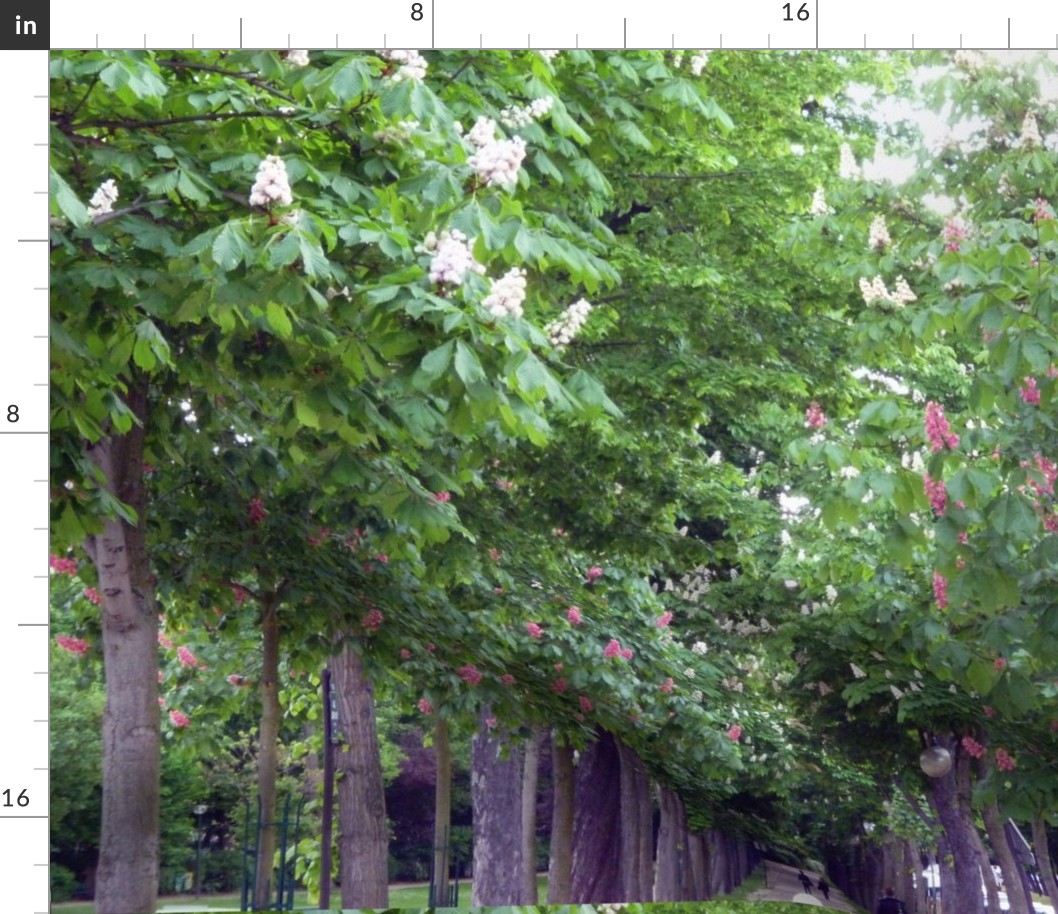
[[530, 779], [637, 827]]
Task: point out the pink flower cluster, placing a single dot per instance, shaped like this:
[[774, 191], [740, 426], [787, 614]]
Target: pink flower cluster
[[734, 733], [255, 511], [441, 498], [667, 685], [1048, 469], [593, 574], [373, 620], [938, 431], [179, 719], [614, 649], [63, 566], [585, 704], [814, 415], [573, 614], [319, 537], [559, 685], [663, 620], [1003, 760], [425, 706], [973, 748], [936, 493], [1000, 664], [534, 630], [940, 590], [165, 641], [93, 596], [507, 679], [71, 644], [954, 232], [1030, 393], [186, 657], [1043, 210], [240, 681], [469, 674]]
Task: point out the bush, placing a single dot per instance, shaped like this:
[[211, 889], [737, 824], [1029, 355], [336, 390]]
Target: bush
[[63, 883]]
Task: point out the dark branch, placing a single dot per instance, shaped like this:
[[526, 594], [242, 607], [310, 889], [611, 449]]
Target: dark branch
[[235, 74], [167, 122]]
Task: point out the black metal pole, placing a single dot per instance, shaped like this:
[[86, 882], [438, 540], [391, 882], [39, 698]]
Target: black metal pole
[[328, 793]]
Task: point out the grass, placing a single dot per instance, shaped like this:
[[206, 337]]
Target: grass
[[754, 881], [401, 895]]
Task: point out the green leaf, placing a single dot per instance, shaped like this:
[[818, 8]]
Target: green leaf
[[467, 365], [306, 415], [1012, 516], [68, 202], [278, 320], [433, 365], [230, 247]]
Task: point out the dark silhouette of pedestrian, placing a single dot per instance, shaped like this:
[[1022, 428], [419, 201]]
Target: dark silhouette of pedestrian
[[824, 887], [890, 904], [805, 881]]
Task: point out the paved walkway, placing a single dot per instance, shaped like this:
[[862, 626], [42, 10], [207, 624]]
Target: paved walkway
[[782, 884]]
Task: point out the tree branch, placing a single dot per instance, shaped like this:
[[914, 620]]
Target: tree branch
[[167, 122], [235, 74]]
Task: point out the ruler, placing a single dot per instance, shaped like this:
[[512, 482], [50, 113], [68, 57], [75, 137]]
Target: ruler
[[449, 24]]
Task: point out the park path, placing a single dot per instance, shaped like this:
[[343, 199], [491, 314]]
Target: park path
[[781, 884]]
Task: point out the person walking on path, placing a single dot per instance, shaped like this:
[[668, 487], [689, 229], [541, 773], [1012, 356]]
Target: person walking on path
[[824, 887], [806, 882], [890, 904]]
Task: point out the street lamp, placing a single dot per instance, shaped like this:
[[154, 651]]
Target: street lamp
[[200, 810], [935, 761]]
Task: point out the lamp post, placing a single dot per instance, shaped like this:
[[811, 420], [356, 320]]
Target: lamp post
[[935, 761], [200, 809]]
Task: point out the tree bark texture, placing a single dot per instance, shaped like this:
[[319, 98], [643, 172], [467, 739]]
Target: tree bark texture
[[962, 895], [668, 875], [1008, 866], [637, 827], [363, 840], [718, 880], [596, 866], [496, 795], [127, 874], [442, 811], [561, 854], [696, 852], [530, 779], [267, 750], [1043, 858]]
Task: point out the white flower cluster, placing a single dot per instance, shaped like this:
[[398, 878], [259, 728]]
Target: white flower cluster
[[507, 294], [856, 671], [103, 199], [397, 133], [700, 648], [514, 116], [875, 292], [1030, 131], [819, 203], [847, 167], [698, 61], [733, 683], [271, 186], [693, 584], [1006, 186], [452, 258], [412, 64], [495, 161], [831, 592], [970, 62], [298, 58], [549, 55], [879, 238], [566, 326]]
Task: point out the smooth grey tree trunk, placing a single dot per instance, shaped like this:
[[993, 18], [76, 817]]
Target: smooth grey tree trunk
[[637, 827], [363, 840], [561, 854], [530, 780], [442, 810], [267, 750], [1043, 858], [496, 795], [127, 874], [1015, 890]]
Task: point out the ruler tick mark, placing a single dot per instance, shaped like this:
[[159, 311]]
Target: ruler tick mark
[[240, 33], [433, 22], [32, 624], [39, 240]]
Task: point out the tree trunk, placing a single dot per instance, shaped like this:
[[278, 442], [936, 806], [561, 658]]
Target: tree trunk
[[637, 827], [442, 812], [916, 885], [363, 841], [717, 863], [530, 779], [1008, 866], [267, 750], [561, 855], [596, 868], [1043, 858], [496, 794], [948, 879], [962, 895], [699, 867], [127, 873], [667, 875]]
